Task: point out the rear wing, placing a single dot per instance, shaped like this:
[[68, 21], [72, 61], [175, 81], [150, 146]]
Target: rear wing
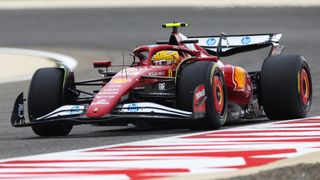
[[226, 45]]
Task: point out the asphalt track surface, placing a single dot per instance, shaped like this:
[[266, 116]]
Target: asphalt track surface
[[98, 34]]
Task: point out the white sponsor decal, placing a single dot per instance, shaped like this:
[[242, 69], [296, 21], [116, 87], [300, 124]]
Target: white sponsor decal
[[21, 110], [240, 40], [113, 86], [159, 73], [162, 86], [66, 110], [146, 107], [112, 89], [101, 101], [200, 94]]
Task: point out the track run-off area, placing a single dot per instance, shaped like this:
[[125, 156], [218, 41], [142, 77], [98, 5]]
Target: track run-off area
[[127, 152]]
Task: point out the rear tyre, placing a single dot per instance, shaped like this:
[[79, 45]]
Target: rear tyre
[[208, 74], [46, 93], [286, 87]]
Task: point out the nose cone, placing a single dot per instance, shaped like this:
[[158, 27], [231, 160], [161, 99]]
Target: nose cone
[[110, 95]]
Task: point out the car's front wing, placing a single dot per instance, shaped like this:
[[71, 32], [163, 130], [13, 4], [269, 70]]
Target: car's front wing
[[122, 114]]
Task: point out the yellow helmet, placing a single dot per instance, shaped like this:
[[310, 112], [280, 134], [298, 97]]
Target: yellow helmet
[[166, 57]]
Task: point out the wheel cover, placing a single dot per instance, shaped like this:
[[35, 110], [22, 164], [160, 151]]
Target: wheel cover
[[218, 94], [304, 87]]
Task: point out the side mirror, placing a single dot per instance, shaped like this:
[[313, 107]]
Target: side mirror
[[99, 64]]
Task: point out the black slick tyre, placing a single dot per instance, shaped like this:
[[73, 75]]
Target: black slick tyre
[[46, 93], [286, 87], [205, 73]]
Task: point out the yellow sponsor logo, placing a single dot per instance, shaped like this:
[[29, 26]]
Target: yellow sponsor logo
[[120, 80]]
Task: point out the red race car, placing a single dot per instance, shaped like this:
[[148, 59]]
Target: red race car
[[181, 80]]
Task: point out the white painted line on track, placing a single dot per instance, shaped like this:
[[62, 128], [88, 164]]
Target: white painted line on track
[[219, 151]]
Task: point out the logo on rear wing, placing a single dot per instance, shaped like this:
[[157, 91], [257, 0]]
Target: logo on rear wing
[[237, 43], [237, 40]]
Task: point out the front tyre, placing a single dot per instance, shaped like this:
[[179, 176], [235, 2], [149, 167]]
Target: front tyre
[[205, 73], [286, 87], [47, 93]]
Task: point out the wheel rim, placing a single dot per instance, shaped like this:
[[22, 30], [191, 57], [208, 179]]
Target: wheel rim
[[304, 87], [218, 94]]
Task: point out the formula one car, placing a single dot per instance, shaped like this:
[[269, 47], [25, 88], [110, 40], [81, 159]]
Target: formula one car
[[179, 80]]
